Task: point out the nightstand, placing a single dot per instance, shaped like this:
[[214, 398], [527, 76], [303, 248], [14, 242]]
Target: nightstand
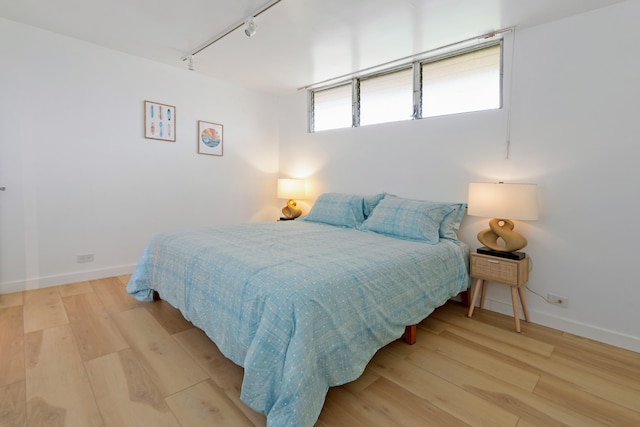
[[514, 273]]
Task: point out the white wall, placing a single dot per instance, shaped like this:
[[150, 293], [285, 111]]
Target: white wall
[[80, 177], [575, 132]]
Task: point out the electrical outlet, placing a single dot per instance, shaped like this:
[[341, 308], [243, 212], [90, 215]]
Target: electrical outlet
[[85, 258], [558, 300]]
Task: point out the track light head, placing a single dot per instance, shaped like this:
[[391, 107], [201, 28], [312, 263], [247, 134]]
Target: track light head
[[190, 63], [250, 27]]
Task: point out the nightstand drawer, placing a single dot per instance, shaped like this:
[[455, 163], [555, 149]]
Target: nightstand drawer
[[514, 273]]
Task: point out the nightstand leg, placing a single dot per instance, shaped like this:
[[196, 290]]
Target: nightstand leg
[[514, 301], [475, 296], [484, 293], [524, 304]]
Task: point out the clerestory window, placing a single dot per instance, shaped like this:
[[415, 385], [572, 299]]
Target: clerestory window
[[459, 82]]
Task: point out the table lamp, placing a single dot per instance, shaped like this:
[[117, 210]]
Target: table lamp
[[503, 202], [291, 189]]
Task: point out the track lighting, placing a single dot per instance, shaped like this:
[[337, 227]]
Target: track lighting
[[250, 27], [190, 63]]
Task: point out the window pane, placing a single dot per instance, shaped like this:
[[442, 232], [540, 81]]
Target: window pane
[[387, 98], [332, 108], [468, 82]]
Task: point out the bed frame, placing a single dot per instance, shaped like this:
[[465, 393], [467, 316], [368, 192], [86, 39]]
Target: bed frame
[[410, 332]]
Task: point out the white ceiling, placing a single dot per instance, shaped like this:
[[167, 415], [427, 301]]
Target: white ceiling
[[298, 42]]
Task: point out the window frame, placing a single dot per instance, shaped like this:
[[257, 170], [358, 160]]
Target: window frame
[[417, 84], [311, 100], [398, 69], [460, 53]]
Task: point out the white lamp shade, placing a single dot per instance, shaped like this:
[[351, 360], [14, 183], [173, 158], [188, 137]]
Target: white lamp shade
[[503, 201], [291, 188]]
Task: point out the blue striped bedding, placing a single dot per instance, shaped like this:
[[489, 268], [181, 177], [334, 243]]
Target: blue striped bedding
[[302, 306]]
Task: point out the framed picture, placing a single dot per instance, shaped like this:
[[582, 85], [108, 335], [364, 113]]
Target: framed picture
[[210, 138], [159, 121]]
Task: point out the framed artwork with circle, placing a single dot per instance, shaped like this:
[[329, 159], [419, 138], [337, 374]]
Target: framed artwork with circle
[[210, 138]]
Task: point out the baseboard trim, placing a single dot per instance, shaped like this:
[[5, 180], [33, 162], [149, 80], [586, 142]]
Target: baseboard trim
[[63, 279], [563, 324]]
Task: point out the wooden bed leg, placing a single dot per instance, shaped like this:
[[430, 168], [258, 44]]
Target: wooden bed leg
[[464, 296], [156, 296], [410, 333]]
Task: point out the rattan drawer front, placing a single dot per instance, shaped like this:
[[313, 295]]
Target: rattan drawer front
[[493, 269]]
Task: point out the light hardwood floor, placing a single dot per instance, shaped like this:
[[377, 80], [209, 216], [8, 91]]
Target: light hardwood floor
[[88, 354]]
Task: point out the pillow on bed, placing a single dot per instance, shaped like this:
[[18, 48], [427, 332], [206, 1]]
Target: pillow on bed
[[451, 223], [370, 202], [343, 210], [407, 219]]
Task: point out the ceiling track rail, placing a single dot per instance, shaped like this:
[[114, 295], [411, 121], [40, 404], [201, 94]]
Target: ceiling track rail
[[266, 6]]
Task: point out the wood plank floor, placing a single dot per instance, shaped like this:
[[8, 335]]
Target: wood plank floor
[[88, 354]]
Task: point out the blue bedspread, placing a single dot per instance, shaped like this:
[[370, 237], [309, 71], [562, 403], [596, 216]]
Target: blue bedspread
[[301, 306]]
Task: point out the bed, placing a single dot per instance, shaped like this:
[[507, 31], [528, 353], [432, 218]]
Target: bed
[[304, 305]]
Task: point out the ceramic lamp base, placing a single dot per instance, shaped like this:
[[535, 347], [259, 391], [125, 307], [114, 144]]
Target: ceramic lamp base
[[291, 211], [502, 229]]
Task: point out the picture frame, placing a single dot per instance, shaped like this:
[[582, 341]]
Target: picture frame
[[159, 121], [210, 138]]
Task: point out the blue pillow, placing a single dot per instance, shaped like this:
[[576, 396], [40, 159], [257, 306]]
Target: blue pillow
[[451, 223], [407, 219], [343, 210], [370, 202]]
